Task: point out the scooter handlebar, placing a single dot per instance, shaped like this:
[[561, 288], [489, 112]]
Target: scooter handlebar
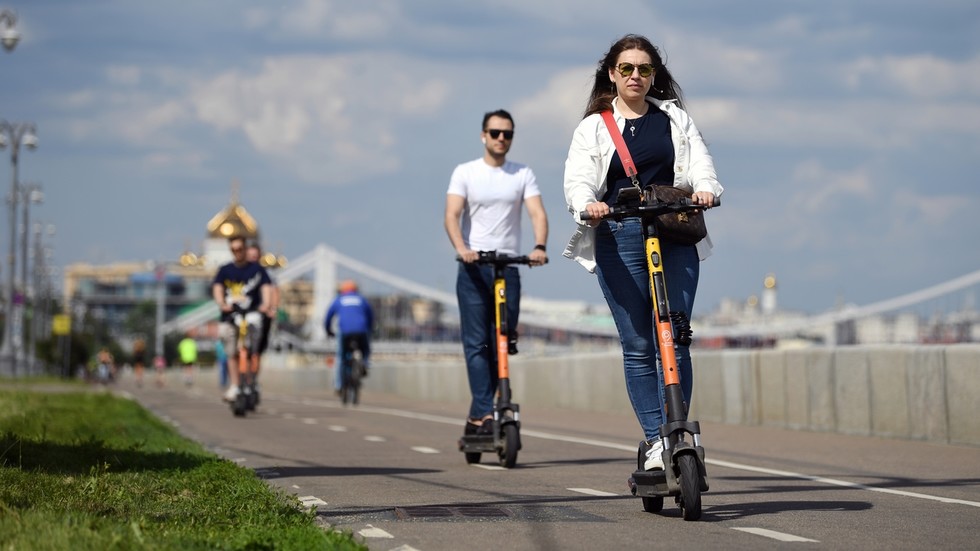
[[676, 206], [493, 257]]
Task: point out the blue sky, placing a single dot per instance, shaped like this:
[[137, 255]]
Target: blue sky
[[846, 133]]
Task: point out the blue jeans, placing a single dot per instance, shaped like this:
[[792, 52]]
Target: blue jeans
[[474, 292], [622, 273]]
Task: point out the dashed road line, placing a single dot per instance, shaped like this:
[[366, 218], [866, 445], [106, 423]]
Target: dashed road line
[[337, 428], [372, 532], [311, 501], [309, 421], [372, 438], [424, 449], [488, 467], [632, 448], [591, 492], [780, 536]]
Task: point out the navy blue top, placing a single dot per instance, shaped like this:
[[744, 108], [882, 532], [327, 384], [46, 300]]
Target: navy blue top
[[652, 150], [242, 285]]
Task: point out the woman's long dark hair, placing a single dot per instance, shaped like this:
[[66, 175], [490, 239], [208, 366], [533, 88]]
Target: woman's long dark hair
[[603, 91]]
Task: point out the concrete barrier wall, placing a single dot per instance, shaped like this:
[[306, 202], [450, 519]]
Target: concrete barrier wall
[[929, 393]]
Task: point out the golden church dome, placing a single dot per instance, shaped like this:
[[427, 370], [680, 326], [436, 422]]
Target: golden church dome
[[233, 221]]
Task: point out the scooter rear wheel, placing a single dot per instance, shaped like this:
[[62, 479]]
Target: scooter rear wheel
[[472, 457], [690, 481], [511, 441], [238, 406]]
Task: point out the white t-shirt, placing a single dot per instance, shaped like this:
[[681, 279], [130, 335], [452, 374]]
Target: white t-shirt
[[491, 218]]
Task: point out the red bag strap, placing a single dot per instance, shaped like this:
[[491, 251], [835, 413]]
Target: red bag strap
[[624, 152]]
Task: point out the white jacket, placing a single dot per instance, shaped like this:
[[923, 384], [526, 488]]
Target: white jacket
[[588, 162]]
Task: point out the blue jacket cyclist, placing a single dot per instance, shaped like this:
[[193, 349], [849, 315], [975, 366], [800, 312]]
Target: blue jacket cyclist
[[354, 321]]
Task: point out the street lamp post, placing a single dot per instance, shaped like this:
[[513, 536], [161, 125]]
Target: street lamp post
[[14, 135], [9, 35], [30, 193], [42, 294]]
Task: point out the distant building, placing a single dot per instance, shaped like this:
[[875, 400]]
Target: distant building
[[112, 291]]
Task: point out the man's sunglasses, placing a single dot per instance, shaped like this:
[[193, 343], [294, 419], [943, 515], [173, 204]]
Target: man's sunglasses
[[626, 69], [494, 133]]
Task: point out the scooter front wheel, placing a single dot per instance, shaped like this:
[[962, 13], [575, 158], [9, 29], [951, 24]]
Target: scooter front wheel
[[511, 441], [690, 481]]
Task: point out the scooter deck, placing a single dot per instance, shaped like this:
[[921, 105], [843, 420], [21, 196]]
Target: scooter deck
[[649, 483], [477, 443]]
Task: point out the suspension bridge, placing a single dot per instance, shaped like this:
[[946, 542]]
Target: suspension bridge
[[323, 262]]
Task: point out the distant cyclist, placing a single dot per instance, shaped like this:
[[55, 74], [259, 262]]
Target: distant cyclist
[[241, 283], [355, 320]]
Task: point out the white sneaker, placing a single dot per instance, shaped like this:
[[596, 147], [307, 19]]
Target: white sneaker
[[231, 393], [654, 460]]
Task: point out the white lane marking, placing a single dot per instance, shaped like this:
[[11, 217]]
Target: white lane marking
[[295, 486], [835, 482], [488, 467], [371, 438], [632, 448], [372, 532], [311, 501], [424, 449], [309, 421], [774, 535], [405, 547], [338, 428], [239, 460], [591, 492]]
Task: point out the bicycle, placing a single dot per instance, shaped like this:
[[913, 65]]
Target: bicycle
[[249, 325], [354, 368], [505, 439], [684, 476]]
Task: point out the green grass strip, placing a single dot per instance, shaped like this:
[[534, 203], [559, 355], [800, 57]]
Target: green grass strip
[[90, 471]]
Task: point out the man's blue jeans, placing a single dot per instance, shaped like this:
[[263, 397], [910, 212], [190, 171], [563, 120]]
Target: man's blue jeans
[[474, 292], [622, 273]]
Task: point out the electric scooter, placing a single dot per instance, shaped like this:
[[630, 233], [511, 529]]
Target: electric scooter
[[505, 439], [685, 476], [249, 334]]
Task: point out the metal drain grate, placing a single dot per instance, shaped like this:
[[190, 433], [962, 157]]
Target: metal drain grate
[[423, 513]]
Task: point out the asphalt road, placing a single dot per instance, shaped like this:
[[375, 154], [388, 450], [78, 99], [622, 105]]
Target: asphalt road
[[389, 471]]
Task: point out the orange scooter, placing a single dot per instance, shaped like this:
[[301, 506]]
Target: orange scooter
[[684, 477], [506, 437]]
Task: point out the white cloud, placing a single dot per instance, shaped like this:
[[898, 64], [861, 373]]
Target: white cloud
[[821, 187], [713, 62], [557, 107], [313, 18], [123, 75], [921, 76], [862, 124], [314, 111]]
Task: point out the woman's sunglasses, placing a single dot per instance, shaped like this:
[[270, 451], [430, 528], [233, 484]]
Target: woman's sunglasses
[[626, 69]]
